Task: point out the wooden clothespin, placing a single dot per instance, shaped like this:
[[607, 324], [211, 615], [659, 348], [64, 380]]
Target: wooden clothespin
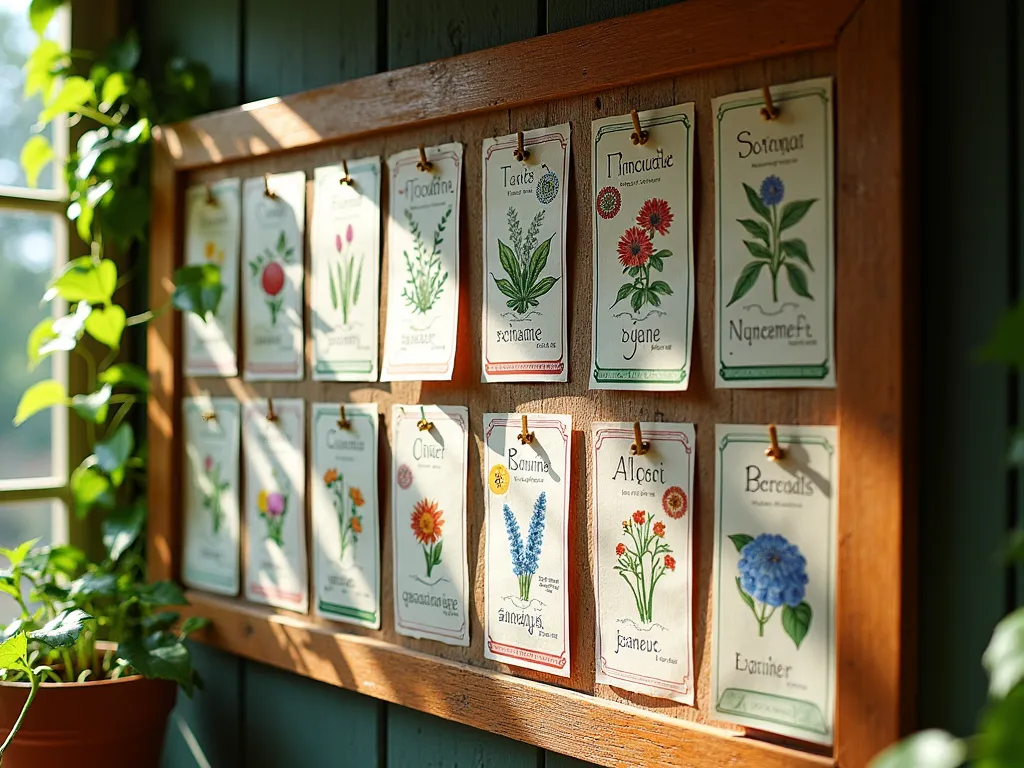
[[210, 416], [639, 447], [423, 164], [638, 136], [266, 187], [520, 153], [525, 436], [769, 111], [271, 416], [774, 452], [423, 425], [343, 423], [211, 199], [345, 178]]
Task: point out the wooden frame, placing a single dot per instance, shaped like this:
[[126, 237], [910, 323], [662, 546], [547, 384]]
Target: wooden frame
[[864, 44]]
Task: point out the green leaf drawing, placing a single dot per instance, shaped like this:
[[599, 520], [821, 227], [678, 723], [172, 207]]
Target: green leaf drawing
[[660, 286], [755, 203], [797, 280], [425, 273], [624, 291], [796, 622], [797, 249], [334, 291], [746, 598], [757, 229], [740, 540], [746, 281], [794, 212], [523, 266], [757, 250]]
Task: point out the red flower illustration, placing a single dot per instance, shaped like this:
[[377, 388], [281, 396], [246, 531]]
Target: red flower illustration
[[635, 248], [609, 201], [674, 502], [620, 549], [639, 516], [273, 279], [659, 528], [670, 562], [655, 216]]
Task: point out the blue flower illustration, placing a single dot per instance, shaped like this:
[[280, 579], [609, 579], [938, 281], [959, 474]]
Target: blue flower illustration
[[525, 560], [515, 541], [772, 571], [536, 536], [772, 190]]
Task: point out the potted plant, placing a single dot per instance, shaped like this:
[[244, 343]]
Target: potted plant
[[88, 669]]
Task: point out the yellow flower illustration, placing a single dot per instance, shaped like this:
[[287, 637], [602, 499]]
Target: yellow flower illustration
[[498, 479], [261, 502], [212, 253]]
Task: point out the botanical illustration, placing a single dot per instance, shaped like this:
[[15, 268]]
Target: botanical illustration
[[674, 502], [347, 507], [268, 270], [636, 250], [773, 574], [213, 491], [212, 253], [768, 248], [547, 186], [523, 263], [345, 276], [609, 201], [525, 559], [427, 522], [426, 273], [404, 477], [272, 506], [644, 561]]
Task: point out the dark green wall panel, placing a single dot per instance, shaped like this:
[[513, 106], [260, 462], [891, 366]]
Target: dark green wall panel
[[205, 731], [299, 45], [426, 30], [554, 760], [565, 14], [294, 721], [417, 740]]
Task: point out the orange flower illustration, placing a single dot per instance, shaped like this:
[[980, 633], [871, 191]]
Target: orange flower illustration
[[659, 528], [674, 502], [356, 525], [357, 496], [639, 517], [427, 521], [670, 562], [620, 549], [330, 476]]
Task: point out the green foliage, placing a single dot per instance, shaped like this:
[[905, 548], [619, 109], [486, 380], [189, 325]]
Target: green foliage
[[523, 265], [424, 268]]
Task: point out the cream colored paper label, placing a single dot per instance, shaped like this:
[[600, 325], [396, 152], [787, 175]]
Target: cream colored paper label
[[272, 293], [643, 564], [423, 265], [643, 251], [775, 228], [275, 505], [527, 560], [773, 662], [525, 207], [345, 264], [428, 523], [212, 234], [211, 525]]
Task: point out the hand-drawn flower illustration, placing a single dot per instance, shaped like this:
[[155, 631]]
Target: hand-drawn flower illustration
[[212, 253], [635, 248], [349, 234], [609, 201], [266, 267], [773, 574], [767, 248], [272, 507], [345, 277], [261, 502], [346, 507], [357, 496], [404, 477], [523, 264], [674, 502], [427, 523], [275, 504], [356, 525], [655, 216], [526, 559], [330, 476], [643, 564], [499, 480], [547, 186], [212, 490]]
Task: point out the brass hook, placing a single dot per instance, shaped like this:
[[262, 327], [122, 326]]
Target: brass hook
[[266, 187], [639, 447], [525, 436], [423, 164], [271, 416], [520, 153], [343, 423], [210, 416], [775, 452], [769, 111], [211, 199], [639, 136], [345, 178], [423, 425]]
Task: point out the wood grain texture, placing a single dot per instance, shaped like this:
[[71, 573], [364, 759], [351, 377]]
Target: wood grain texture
[[337, 41], [686, 37], [605, 732], [876, 300], [426, 30]]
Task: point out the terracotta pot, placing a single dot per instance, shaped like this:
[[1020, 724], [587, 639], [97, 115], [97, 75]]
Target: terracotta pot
[[95, 724]]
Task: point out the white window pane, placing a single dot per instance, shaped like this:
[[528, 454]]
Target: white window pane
[[28, 246], [17, 115], [21, 521]]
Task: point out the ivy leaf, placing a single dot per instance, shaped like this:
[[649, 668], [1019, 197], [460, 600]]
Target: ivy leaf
[[757, 250], [161, 593], [112, 454], [197, 289], [168, 662], [746, 281], [40, 396], [1000, 741], [797, 249], [797, 622], [122, 529], [93, 585], [17, 555], [160, 622], [932, 748], [106, 325], [126, 213], [85, 280], [755, 203], [193, 624], [114, 87], [13, 650], [740, 540], [40, 69], [75, 92], [93, 407], [63, 334], [624, 291], [793, 212], [89, 488], [797, 280], [62, 631], [756, 228], [40, 14], [126, 375], [1004, 657], [35, 155], [746, 598]]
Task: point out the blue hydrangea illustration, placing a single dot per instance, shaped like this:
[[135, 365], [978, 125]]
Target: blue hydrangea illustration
[[773, 575], [772, 190], [525, 560], [547, 187]]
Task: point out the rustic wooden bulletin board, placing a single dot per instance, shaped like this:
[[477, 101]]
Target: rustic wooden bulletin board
[[692, 51]]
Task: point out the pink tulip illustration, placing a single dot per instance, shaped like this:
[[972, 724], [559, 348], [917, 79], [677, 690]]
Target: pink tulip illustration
[[345, 276], [337, 241], [349, 234]]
